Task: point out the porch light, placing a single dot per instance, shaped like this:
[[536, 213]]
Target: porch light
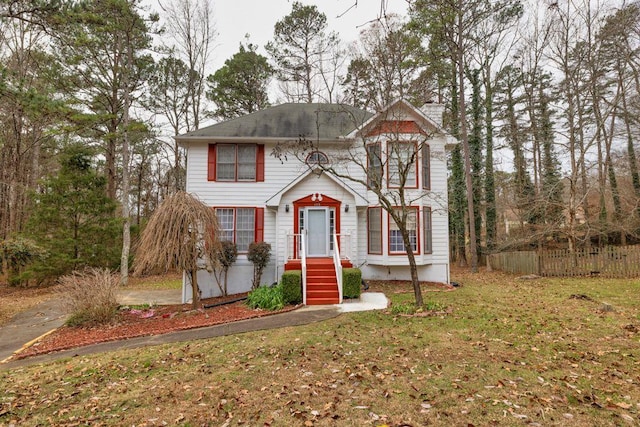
[[286, 208], [346, 208]]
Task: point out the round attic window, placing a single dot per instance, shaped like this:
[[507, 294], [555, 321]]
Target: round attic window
[[317, 158]]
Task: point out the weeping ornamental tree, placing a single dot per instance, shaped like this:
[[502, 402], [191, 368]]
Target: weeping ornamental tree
[[181, 234]]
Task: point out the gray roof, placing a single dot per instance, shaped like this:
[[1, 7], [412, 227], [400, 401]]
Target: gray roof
[[287, 121]]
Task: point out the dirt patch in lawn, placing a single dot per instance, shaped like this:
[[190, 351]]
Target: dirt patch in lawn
[[137, 322]]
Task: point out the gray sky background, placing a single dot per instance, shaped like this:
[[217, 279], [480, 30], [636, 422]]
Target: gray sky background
[[235, 18]]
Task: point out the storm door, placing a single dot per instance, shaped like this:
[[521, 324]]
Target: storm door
[[318, 231]]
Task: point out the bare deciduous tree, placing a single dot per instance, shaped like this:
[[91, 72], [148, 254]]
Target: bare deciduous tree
[[182, 234]]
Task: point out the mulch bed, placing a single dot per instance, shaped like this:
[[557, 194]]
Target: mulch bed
[[132, 323]]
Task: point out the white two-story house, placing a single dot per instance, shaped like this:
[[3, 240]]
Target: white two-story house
[[311, 216]]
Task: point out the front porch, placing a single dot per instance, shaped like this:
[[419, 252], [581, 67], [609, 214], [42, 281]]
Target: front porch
[[321, 276]]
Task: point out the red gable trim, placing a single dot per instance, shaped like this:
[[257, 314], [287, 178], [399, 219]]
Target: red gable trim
[[396, 127]]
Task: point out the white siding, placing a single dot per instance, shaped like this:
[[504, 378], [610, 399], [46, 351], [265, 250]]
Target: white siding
[[279, 184]]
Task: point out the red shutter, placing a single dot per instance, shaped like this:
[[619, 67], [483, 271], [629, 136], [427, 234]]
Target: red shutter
[[259, 226], [260, 165], [211, 163]]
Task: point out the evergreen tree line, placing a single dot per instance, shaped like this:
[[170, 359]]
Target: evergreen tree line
[[542, 97]]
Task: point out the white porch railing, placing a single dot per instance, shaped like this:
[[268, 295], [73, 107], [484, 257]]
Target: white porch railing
[[337, 263], [294, 245], [295, 249], [303, 264], [342, 244]]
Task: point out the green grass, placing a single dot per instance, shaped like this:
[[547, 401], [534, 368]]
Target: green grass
[[506, 352]]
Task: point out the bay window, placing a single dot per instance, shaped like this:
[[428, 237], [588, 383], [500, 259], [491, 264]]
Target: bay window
[[374, 165], [426, 167], [428, 230], [374, 230], [401, 158], [396, 243]]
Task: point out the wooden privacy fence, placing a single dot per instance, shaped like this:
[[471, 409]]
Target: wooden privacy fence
[[610, 261]]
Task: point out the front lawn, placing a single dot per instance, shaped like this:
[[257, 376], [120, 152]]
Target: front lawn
[[505, 352]]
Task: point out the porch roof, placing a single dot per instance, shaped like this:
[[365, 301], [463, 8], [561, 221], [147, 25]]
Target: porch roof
[[274, 200]]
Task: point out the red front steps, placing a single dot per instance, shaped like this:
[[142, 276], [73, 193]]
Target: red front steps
[[322, 285]]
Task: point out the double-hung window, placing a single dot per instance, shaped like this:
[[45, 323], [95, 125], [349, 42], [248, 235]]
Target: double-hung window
[[401, 158], [428, 230], [374, 165], [238, 225], [396, 243], [235, 162], [374, 227], [426, 167]]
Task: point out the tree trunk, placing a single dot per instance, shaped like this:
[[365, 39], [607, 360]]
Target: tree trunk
[[413, 268], [465, 139], [126, 226], [195, 290]]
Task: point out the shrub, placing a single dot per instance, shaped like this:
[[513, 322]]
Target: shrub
[[351, 282], [292, 286], [226, 255], [259, 254], [266, 298], [90, 296], [16, 255]]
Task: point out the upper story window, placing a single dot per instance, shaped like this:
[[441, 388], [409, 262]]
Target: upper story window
[[402, 164], [374, 165], [317, 158], [236, 162], [426, 167]]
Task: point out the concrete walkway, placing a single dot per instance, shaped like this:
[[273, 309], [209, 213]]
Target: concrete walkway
[[29, 325], [47, 316], [298, 317]]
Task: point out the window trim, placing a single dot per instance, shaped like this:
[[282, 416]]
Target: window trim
[[371, 167], [390, 222], [213, 159], [258, 223], [389, 159], [369, 251], [426, 166], [237, 163], [427, 227], [323, 158]]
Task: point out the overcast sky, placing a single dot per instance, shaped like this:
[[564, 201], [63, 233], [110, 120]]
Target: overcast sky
[[235, 18]]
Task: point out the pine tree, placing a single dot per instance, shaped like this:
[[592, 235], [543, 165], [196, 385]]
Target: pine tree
[[73, 219], [240, 86]]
